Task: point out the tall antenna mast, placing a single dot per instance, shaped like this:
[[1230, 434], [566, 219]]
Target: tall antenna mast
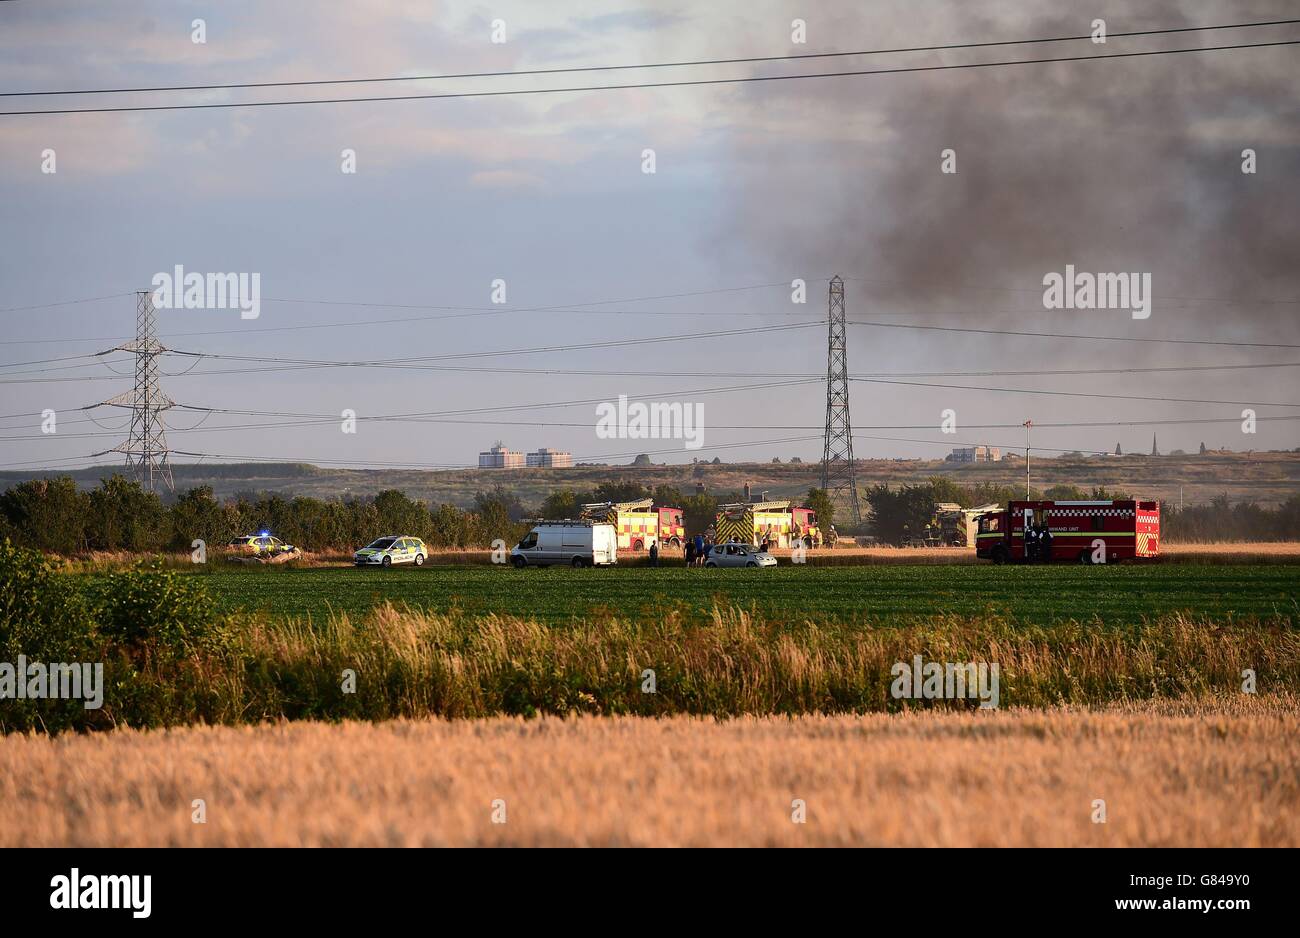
[[146, 443], [838, 478]]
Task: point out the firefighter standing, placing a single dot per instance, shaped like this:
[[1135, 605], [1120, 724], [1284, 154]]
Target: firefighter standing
[[1045, 542]]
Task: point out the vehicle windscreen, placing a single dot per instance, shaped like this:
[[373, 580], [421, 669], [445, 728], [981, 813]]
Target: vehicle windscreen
[[383, 543]]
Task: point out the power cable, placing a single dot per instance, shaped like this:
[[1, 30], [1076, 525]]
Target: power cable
[[516, 92], [750, 60]]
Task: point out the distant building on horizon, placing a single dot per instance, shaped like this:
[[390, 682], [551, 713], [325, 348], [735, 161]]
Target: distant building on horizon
[[547, 458], [499, 457], [975, 454]]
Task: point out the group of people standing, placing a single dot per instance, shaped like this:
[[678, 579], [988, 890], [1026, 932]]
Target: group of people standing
[[698, 549], [1038, 542]]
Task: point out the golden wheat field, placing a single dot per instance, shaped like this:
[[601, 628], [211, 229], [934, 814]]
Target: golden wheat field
[[1221, 772]]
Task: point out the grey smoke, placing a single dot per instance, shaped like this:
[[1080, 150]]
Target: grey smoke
[[1123, 165]]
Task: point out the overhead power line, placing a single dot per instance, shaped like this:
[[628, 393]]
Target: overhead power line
[[1067, 335], [332, 420], [46, 361], [470, 312], [609, 343], [1091, 394], [626, 373], [1037, 291], [750, 60], [518, 92], [88, 299], [497, 408]]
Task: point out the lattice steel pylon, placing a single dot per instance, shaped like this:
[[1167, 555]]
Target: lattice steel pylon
[[146, 443], [838, 478]]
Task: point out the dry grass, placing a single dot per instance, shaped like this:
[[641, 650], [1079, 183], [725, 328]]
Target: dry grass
[[1236, 552], [415, 664], [1222, 772]]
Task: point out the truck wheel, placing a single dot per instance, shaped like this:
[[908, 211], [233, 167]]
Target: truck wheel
[[519, 562], [999, 555], [676, 543], [578, 563], [638, 544]]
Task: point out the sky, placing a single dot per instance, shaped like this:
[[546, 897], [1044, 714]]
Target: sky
[[1124, 165]]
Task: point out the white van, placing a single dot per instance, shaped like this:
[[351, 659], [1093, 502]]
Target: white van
[[576, 543]]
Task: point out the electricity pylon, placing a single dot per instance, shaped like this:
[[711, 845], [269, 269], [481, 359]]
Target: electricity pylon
[[146, 443], [838, 478]]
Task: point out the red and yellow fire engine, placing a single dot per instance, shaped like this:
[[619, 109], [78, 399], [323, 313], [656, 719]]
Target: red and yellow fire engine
[[779, 523], [639, 523], [1080, 531]]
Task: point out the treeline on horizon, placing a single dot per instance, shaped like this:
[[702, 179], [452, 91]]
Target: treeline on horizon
[[53, 515]]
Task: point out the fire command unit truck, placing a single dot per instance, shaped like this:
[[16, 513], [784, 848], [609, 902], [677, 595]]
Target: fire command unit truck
[[777, 522], [639, 523], [1080, 531]]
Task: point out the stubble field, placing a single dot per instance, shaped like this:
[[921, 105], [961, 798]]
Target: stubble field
[[1215, 772]]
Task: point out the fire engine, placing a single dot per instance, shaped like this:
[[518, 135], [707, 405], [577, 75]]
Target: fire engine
[[1081, 531], [639, 523], [778, 522]]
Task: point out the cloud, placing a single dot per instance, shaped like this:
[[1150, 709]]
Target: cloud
[[86, 145], [504, 179], [630, 20]]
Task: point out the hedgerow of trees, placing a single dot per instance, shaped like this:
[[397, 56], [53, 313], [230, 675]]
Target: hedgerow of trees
[[899, 510], [53, 516], [119, 515]]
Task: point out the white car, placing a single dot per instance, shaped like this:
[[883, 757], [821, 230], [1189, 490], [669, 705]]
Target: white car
[[392, 549], [738, 555]]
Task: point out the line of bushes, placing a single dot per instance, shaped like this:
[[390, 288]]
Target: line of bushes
[[149, 628], [170, 658], [119, 515]]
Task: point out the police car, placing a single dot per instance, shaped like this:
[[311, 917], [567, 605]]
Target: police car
[[260, 543], [394, 548]]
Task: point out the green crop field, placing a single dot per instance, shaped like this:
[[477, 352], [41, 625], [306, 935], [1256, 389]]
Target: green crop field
[[880, 594], [481, 640]]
